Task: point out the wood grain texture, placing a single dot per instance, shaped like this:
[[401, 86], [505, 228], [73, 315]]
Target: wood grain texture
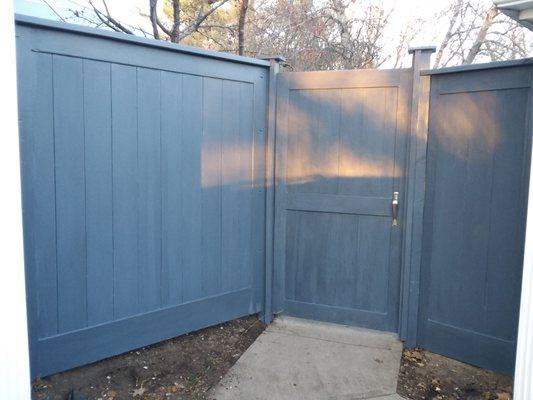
[[69, 151], [99, 191], [341, 155], [474, 219], [144, 192]]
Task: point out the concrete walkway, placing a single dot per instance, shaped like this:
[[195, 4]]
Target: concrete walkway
[[296, 359]]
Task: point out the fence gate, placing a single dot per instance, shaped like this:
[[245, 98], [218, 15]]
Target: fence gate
[[474, 219], [143, 190], [340, 157]]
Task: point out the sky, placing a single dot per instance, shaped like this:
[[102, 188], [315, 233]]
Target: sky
[[402, 12]]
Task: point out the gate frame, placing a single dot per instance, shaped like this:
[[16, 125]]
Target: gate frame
[[411, 248]]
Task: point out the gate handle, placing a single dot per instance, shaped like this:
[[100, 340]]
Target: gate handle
[[395, 197]]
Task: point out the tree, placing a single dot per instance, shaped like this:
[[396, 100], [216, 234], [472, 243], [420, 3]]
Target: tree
[[242, 24], [477, 30], [334, 34], [317, 34], [180, 19]]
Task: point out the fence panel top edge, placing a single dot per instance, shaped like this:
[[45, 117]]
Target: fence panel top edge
[[521, 62], [41, 23]]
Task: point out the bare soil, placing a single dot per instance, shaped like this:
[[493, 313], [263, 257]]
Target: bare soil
[[185, 367], [429, 376]]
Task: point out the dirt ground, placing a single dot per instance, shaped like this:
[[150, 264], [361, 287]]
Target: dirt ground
[[185, 367], [429, 376]]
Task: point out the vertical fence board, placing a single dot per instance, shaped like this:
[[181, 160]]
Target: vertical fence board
[[99, 187], [191, 187], [70, 192], [231, 184], [171, 190], [125, 203], [149, 175], [257, 274], [211, 185], [39, 137], [245, 184], [506, 247]]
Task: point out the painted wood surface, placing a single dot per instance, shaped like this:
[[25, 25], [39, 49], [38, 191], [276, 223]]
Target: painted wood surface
[[341, 146], [478, 160], [144, 195]]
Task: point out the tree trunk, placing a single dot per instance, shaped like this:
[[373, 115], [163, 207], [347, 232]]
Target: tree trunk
[[153, 18], [242, 24], [175, 33], [481, 35], [457, 8]]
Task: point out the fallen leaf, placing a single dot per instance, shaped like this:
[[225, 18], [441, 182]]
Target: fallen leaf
[[503, 396], [139, 392]]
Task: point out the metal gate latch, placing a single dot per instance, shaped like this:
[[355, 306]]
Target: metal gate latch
[[395, 197]]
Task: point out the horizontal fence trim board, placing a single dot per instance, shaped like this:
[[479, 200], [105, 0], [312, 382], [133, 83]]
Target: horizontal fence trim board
[[479, 349], [494, 88], [216, 74], [469, 331], [367, 79], [72, 45], [338, 308], [339, 315], [484, 81], [106, 340], [478, 67], [122, 37], [378, 206]]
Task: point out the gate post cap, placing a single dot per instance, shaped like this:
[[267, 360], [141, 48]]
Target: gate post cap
[[278, 58], [413, 49]]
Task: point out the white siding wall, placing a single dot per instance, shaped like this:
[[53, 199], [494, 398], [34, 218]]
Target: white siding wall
[[14, 365], [523, 389]]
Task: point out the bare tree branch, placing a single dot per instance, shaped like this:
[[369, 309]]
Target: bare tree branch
[[201, 17], [106, 18], [54, 10]]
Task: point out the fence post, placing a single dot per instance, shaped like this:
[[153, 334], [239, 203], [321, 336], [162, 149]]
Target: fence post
[[275, 63], [416, 170]]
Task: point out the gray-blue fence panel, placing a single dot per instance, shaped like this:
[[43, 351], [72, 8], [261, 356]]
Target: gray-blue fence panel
[[478, 157], [143, 190]]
